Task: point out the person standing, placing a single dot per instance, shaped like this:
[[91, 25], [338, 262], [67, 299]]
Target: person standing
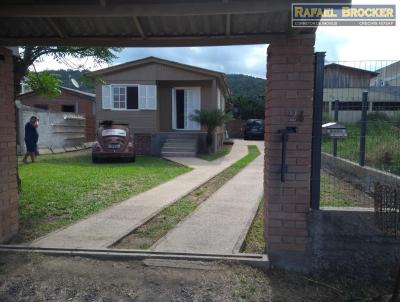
[[31, 138]]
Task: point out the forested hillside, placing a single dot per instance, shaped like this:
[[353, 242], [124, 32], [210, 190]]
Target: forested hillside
[[246, 86]]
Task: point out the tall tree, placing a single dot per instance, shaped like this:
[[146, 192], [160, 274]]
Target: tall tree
[[30, 54]]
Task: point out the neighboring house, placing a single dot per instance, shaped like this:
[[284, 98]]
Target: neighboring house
[[347, 84], [70, 100], [156, 98], [388, 76]]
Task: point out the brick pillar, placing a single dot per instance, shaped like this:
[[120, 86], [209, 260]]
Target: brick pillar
[[8, 157], [290, 72]]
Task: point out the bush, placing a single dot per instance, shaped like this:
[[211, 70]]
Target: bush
[[382, 157], [377, 116]]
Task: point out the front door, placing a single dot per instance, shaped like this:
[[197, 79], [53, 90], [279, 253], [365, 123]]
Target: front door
[[185, 102]]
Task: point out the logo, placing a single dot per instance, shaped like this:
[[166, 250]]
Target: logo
[[318, 14]]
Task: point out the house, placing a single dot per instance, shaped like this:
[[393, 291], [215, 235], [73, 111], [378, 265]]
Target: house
[[156, 98], [347, 84], [70, 100], [388, 76]]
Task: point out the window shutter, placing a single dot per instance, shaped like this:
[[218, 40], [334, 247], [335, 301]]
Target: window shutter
[[142, 97], [106, 96], [151, 97]]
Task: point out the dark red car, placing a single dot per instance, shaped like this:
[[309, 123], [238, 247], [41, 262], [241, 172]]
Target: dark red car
[[114, 141]]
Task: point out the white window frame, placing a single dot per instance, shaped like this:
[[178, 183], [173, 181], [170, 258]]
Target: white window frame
[[112, 86], [126, 103]]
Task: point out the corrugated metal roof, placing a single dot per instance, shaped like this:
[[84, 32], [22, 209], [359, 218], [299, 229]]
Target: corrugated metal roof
[[143, 23]]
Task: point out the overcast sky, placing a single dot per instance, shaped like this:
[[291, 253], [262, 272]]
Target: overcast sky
[[340, 43]]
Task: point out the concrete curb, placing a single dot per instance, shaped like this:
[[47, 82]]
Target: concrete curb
[[254, 260]]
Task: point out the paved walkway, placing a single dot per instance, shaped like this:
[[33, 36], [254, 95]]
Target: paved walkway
[[220, 224], [108, 226]]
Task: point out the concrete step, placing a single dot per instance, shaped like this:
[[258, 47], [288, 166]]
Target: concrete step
[[178, 154], [182, 136], [167, 149], [181, 140], [179, 144]]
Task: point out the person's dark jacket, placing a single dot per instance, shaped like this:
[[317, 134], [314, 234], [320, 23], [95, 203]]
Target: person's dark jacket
[[31, 136]]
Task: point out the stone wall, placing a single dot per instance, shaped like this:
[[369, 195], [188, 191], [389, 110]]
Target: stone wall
[[363, 178], [346, 240], [8, 158]]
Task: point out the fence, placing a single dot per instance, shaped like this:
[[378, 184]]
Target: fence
[[364, 96], [387, 208], [58, 131]]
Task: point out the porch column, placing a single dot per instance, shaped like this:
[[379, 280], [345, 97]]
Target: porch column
[[8, 159], [289, 102]]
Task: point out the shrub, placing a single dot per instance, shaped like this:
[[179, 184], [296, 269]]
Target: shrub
[[382, 157], [377, 116]]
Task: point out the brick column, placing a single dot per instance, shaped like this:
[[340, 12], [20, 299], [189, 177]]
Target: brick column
[[290, 72], [8, 157]]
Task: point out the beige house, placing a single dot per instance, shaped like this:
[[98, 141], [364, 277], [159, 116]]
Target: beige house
[[156, 98]]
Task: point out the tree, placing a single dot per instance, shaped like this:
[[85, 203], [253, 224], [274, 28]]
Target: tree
[[30, 54], [244, 108], [211, 120]]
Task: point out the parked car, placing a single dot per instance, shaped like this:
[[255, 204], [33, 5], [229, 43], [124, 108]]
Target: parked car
[[254, 129], [114, 141]]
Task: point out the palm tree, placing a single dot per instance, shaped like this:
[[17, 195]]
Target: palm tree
[[211, 120]]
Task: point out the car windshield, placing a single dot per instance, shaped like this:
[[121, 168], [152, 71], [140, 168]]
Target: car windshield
[[255, 123], [113, 132]]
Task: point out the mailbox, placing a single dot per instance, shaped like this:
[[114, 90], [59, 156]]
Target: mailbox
[[334, 130]]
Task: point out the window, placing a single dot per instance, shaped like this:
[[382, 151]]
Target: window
[[119, 97], [132, 97], [129, 97], [348, 106], [385, 106], [68, 108], [40, 106]]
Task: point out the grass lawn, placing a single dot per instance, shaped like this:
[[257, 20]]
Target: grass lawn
[[220, 153], [62, 188], [254, 242], [382, 144], [145, 236]]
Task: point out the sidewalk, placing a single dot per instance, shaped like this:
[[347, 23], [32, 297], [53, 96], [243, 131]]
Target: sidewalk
[[220, 224], [108, 226]]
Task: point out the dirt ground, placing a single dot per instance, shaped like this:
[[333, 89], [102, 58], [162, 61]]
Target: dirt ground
[[33, 277]]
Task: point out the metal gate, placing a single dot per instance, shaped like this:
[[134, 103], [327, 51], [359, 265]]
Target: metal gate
[[356, 132]]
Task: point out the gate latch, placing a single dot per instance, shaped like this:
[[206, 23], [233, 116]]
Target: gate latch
[[284, 138]]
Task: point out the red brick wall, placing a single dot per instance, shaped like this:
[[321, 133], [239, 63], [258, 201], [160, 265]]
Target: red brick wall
[[289, 87], [85, 107], [8, 157], [143, 144]]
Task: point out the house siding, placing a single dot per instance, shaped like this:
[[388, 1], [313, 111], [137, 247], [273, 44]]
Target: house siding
[[83, 105]]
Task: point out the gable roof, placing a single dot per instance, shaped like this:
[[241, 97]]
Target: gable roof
[[87, 95], [371, 73], [132, 64]]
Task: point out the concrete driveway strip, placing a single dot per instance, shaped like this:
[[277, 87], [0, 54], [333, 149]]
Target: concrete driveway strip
[[220, 224], [108, 226]]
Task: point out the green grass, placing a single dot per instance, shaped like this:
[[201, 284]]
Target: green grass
[[331, 196], [225, 150], [63, 188], [145, 236], [254, 242], [382, 144]]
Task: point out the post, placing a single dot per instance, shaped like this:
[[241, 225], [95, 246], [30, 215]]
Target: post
[[316, 129], [363, 128], [336, 119]]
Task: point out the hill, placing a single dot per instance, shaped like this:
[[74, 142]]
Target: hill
[[251, 88]]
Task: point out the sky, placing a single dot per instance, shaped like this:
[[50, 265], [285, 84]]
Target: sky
[[339, 43]]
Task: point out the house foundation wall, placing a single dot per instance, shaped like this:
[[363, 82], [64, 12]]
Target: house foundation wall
[[8, 149]]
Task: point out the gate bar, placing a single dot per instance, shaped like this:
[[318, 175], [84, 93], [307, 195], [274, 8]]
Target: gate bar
[[363, 128], [319, 61]]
